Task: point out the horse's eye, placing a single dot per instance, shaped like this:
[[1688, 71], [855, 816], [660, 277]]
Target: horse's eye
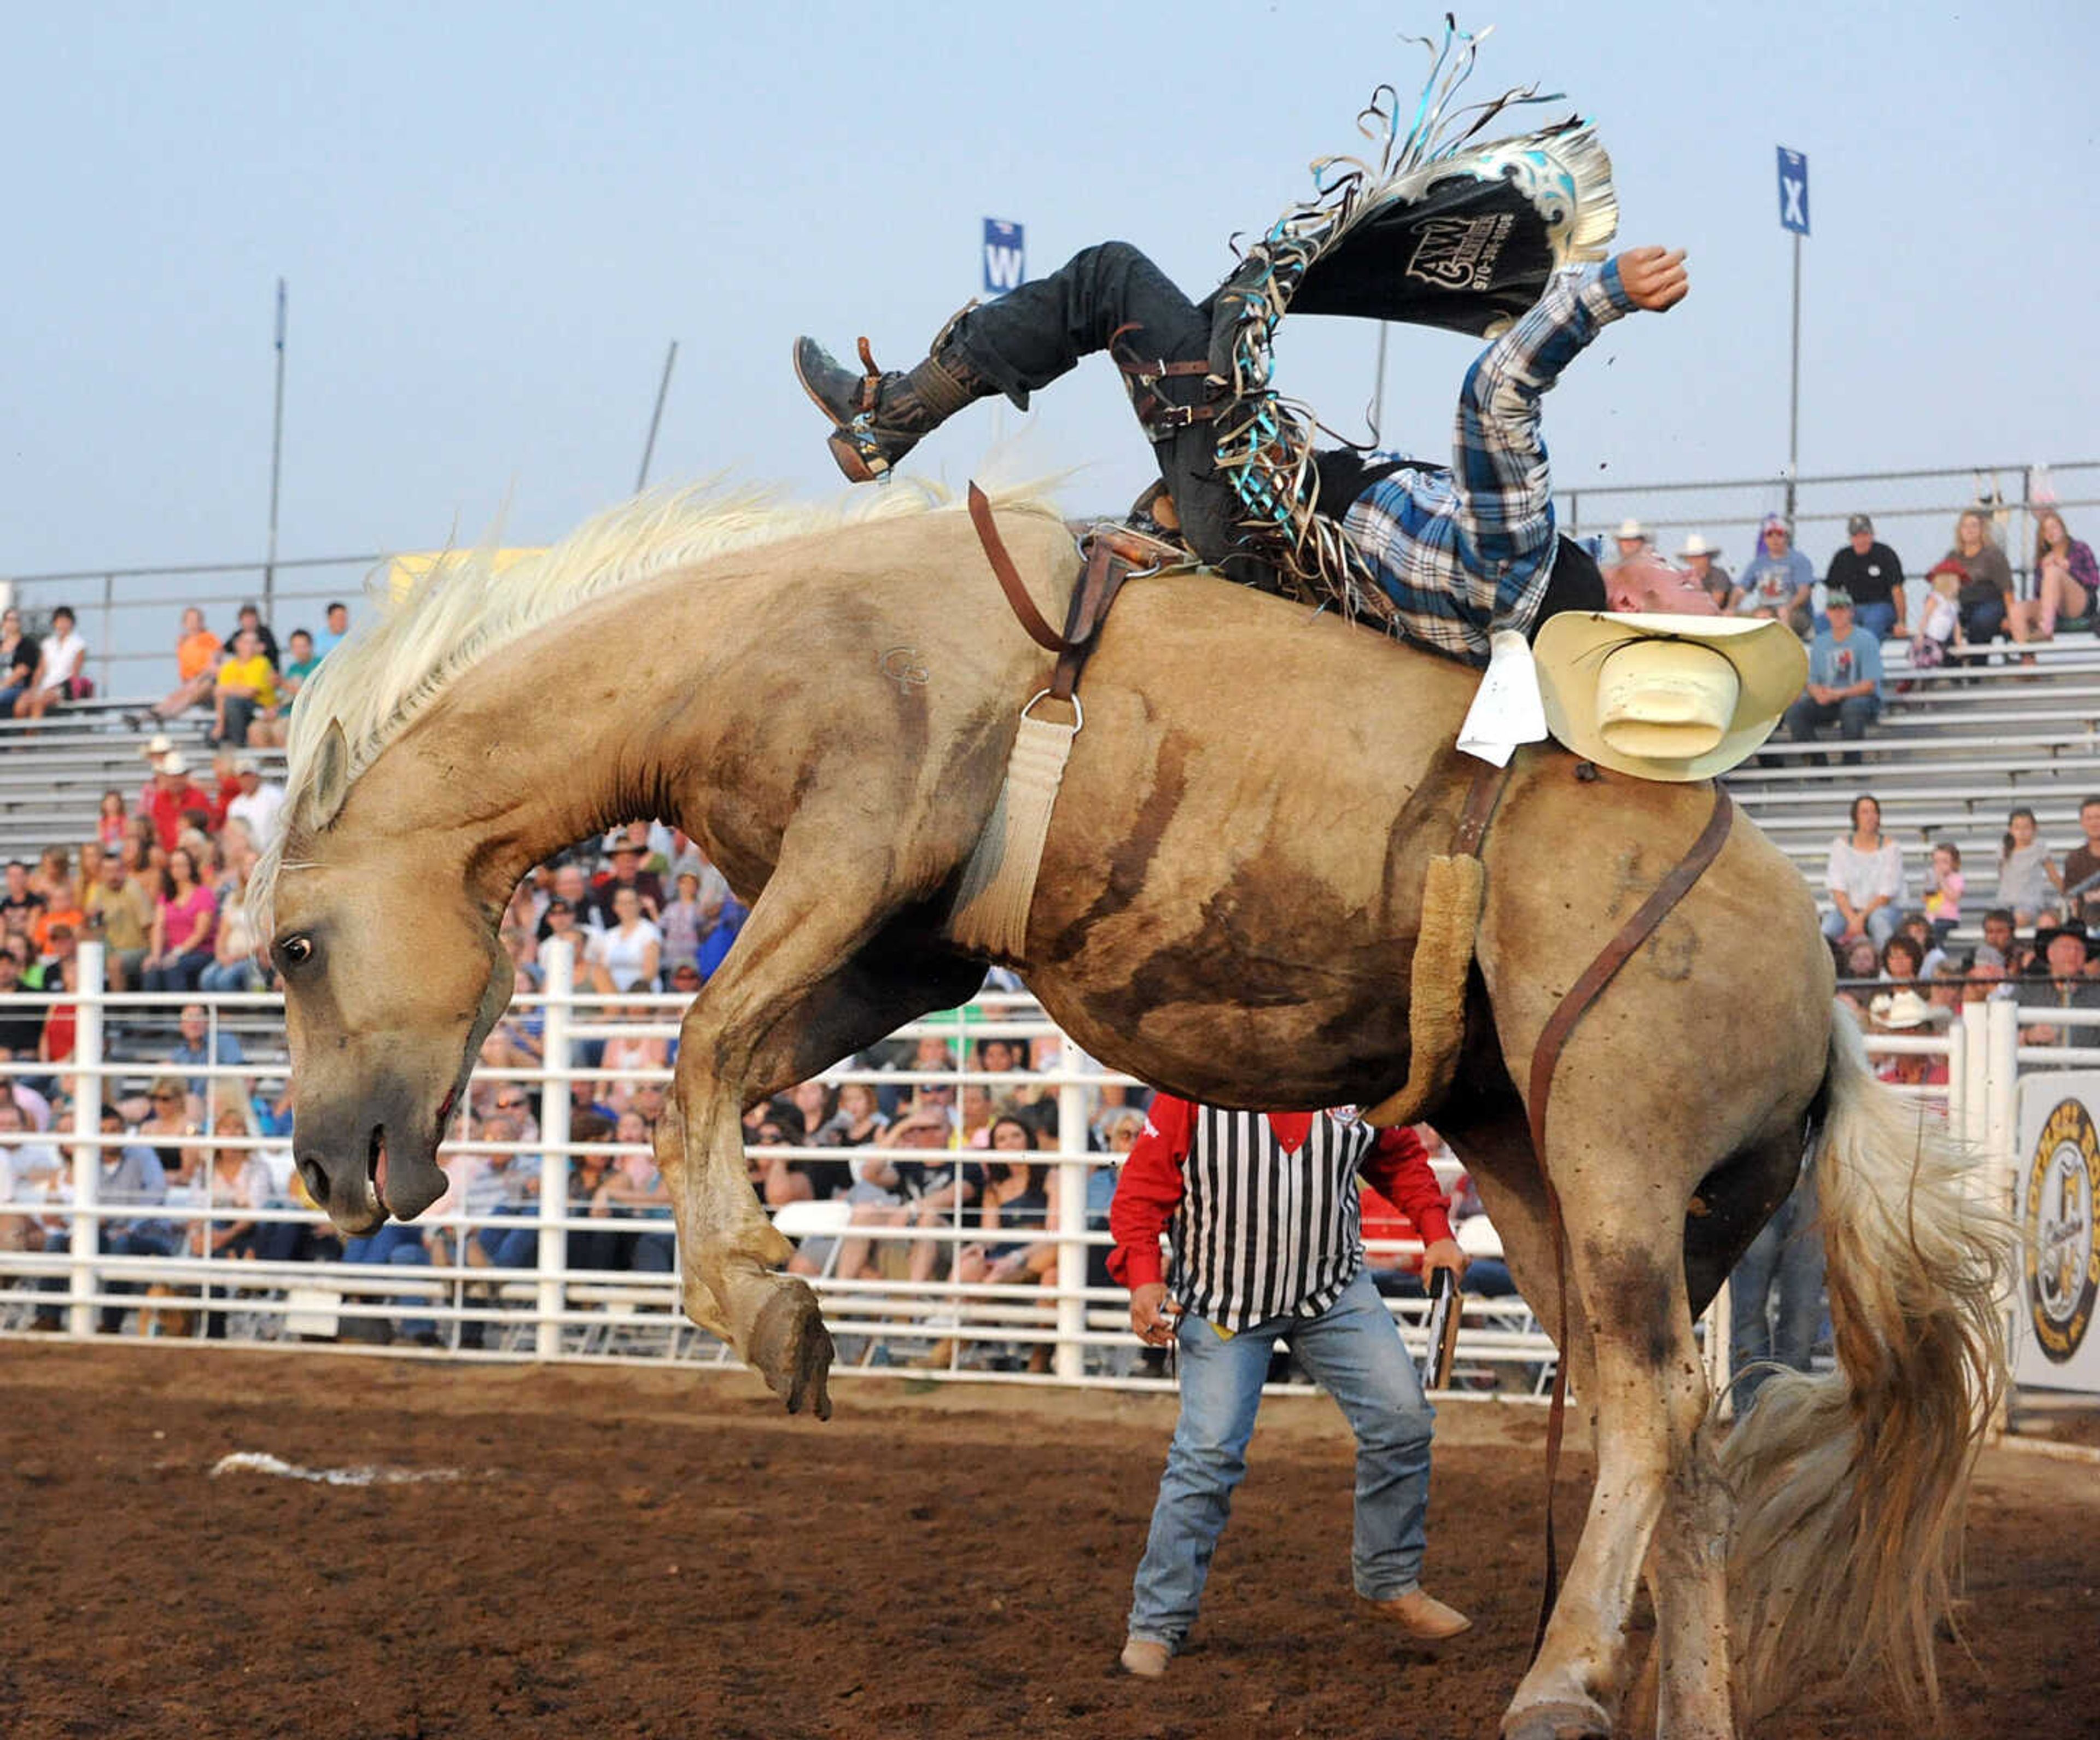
[[296, 950]]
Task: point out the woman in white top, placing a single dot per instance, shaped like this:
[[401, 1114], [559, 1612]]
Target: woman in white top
[[64, 653], [1865, 880], [627, 956]]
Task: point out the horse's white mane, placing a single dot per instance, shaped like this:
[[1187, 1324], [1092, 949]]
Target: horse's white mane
[[417, 640]]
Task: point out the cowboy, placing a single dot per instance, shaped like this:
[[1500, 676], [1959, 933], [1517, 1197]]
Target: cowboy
[[1455, 554], [1698, 557], [1632, 541], [1278, 1190], [1482, 238]]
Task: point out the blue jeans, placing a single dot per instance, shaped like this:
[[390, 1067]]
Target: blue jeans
[[1881, 925], [400, 1244], [1786, 1257], [1806, 718], [1353, 1350], [1878, 620]]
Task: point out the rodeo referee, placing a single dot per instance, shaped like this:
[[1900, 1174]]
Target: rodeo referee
[[1262, 1212]]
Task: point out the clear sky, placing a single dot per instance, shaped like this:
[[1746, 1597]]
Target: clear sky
[[493, 217]]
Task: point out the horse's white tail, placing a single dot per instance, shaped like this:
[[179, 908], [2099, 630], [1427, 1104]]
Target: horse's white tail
[[1850, 1486]]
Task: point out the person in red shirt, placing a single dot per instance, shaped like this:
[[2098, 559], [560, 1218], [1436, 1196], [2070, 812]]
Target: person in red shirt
[[1261, 1213], [172, 795]]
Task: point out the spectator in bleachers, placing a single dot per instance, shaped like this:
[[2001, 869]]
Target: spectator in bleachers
[[1904, 1012], [185, 922], [1872, 574], [1985, 599], [21, 1027], [2065, 953], [1698, 557], [627, 874], [1865, 879], [337, 625], [2081, 868], [1776, 581], [1901, 960], [633, 1189], [398, 1245], [684, 921], [19, 655], [54, 881], [61, 670], [258, 803], [174, 798], [21, 905], [1998, 925], [200, 1046], [113, 826], [814, 1104], [1930, 955], [30, 1170], [857, 1120], [628, 952], [198, 654], [245, 692], [234, 966], [301, 665], [1844, 680], [2029, 880], [630, 1050], [2067, 578], [569, 889], [1939, 621], [250, 621]]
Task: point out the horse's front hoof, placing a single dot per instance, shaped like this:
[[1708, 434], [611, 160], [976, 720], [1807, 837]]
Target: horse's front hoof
[[1559, 1720], [792, 1349]]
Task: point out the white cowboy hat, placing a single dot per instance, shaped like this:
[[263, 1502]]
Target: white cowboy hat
[[172, 763], [1900, 1011], [1696, 545], [1631, 529], [1666, 696]]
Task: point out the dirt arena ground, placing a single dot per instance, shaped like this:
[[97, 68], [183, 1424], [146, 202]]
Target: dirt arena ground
[[655, 1552]]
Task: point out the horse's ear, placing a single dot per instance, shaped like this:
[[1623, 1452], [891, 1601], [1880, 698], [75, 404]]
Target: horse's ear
[[330, 784]]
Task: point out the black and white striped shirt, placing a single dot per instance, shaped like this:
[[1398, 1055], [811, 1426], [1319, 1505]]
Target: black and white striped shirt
[[1261, 1232]]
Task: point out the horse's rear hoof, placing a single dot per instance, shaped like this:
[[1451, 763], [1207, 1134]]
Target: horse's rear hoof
[[792, 1349], [1559, 1720]]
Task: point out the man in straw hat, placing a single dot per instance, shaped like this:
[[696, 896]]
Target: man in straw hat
[[2065, 949], [1698, 557]]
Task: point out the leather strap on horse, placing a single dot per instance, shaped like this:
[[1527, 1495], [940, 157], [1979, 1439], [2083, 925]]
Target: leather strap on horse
[[990, 912], [1545, 1055], [1159, 419]]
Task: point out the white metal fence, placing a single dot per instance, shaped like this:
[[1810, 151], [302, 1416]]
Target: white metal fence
[[127, 1267]]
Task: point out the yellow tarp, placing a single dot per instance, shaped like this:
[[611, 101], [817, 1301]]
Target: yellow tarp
[[404, 571]]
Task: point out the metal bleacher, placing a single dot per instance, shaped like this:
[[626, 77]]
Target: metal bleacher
[[54, 771], [1955, 750]]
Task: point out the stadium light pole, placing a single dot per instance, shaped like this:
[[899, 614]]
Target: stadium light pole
[[656, 417], [276, 466]]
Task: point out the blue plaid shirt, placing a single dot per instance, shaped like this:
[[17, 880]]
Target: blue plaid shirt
[[1462, 554]]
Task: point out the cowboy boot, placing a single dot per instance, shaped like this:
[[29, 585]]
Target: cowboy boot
[[881, 416]]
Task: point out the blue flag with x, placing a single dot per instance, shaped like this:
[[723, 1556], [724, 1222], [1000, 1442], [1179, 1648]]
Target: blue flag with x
[[1793, 190]]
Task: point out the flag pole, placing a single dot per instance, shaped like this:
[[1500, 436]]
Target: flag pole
[[276, 464], [1793, 395], [655, 418]]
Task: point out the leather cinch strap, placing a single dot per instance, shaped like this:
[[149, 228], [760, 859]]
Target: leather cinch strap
[[1545, 1055]]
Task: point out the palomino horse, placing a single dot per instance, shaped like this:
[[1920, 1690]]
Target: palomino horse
[[1228, 906]]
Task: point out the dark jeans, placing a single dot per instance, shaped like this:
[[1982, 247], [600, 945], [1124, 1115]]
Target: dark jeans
[[1034, 334], [1853, 715], [180, 974], [1775, 1295], [1983, 622], [240, 715]]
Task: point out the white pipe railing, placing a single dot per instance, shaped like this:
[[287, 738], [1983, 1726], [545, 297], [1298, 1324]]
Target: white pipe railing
[[560, 1312]]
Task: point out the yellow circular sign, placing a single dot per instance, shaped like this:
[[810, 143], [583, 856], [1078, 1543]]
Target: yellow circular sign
[[2062, 1255]]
